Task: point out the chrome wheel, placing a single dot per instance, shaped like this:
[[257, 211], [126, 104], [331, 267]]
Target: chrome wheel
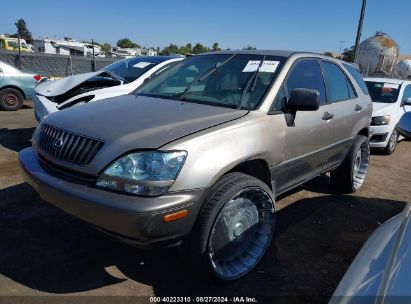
[[241, 233], [361, 165]]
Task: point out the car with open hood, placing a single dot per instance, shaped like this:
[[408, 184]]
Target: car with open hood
[[119, 78], [197, 155], [391, 99]]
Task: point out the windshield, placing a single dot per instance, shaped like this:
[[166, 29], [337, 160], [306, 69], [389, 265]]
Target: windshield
[[226, 80], [383, 91], [131, 69]]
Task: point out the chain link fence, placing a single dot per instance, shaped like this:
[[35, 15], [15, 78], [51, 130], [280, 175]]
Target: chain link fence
[[53, 65]]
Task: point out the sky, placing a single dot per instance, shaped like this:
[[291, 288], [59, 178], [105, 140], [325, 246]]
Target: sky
[[304, 25]]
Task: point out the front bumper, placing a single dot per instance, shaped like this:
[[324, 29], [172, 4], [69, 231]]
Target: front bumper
[[381, 136], [135, 220]]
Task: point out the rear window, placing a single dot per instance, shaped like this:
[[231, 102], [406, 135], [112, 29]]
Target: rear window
[[358, 78]]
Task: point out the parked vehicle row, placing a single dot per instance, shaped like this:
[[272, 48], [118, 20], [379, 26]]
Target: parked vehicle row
[[197, 155]]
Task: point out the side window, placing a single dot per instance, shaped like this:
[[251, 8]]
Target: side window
[[306, 74], [407, 93], [358, 78], [337, 85]]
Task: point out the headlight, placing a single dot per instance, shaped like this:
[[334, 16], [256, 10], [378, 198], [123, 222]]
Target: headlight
[[381, 120], [148, 173]]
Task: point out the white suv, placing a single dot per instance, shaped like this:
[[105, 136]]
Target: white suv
[[391, 99]]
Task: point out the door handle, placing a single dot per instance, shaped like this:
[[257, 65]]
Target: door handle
[[358, 108], [328, 116]]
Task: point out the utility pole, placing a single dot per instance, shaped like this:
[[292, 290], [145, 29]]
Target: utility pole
[[359, 30], [19, 56], [93, 63], [341, 44]]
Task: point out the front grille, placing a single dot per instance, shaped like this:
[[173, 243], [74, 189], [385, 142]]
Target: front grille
[[67, 146]]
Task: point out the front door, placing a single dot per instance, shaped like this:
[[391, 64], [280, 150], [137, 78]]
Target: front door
[[307, 139]]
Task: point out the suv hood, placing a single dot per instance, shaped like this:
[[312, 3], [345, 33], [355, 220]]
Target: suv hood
[[132, 122], [381, 108]]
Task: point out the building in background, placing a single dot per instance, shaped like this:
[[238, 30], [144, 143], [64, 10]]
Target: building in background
[[66, 47]]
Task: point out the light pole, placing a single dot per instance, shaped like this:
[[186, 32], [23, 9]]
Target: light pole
[[359, 30], [341, 44]]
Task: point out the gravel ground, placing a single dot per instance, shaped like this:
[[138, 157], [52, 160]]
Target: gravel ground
[[45, 252]]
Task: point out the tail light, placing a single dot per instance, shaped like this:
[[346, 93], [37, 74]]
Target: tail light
[[37, 77]]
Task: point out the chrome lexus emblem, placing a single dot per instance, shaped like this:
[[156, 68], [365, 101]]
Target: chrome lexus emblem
[[58, 143]]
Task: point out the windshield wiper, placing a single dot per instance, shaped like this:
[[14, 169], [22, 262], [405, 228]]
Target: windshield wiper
[[205, 74], [250, 84]]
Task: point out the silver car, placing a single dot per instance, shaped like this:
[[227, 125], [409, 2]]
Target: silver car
[[199, 153]]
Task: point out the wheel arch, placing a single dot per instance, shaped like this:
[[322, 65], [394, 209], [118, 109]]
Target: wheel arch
[[14, 87], [257, 168]]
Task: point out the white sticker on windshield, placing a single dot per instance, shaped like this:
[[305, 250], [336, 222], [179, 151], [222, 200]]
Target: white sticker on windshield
[[268, 66], [391, 86], [251, 66], [142, 64]]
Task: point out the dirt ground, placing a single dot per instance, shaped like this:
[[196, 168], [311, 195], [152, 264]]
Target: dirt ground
[[46, 252]]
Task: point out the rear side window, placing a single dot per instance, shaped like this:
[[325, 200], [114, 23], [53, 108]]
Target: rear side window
[[306, 74], [337, 84], [358, 78]]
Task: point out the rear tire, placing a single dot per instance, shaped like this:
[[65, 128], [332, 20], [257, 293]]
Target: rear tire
[[11, 99], [350, 175], [234, 228], [392, 143]]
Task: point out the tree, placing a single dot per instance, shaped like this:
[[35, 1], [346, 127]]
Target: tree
[[22, 31], [216, 47], [348, 54], [171, 49], [249, 48], [127, 43], [106, 47], [199, 48]]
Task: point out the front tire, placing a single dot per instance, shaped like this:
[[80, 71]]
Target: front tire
[[11, 99], [350, 175], [234, 228], [392, 143]]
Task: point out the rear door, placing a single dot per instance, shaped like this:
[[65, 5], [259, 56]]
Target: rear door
[[307, 139], [346, 108]]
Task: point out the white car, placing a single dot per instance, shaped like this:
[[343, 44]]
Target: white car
[[119, 78], [391, 99]]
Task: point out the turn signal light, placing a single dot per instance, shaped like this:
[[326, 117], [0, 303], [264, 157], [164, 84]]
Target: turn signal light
[[175, 216]]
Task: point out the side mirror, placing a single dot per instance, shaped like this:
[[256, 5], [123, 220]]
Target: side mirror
[[304, 100], [406, 102], [404, 125]]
